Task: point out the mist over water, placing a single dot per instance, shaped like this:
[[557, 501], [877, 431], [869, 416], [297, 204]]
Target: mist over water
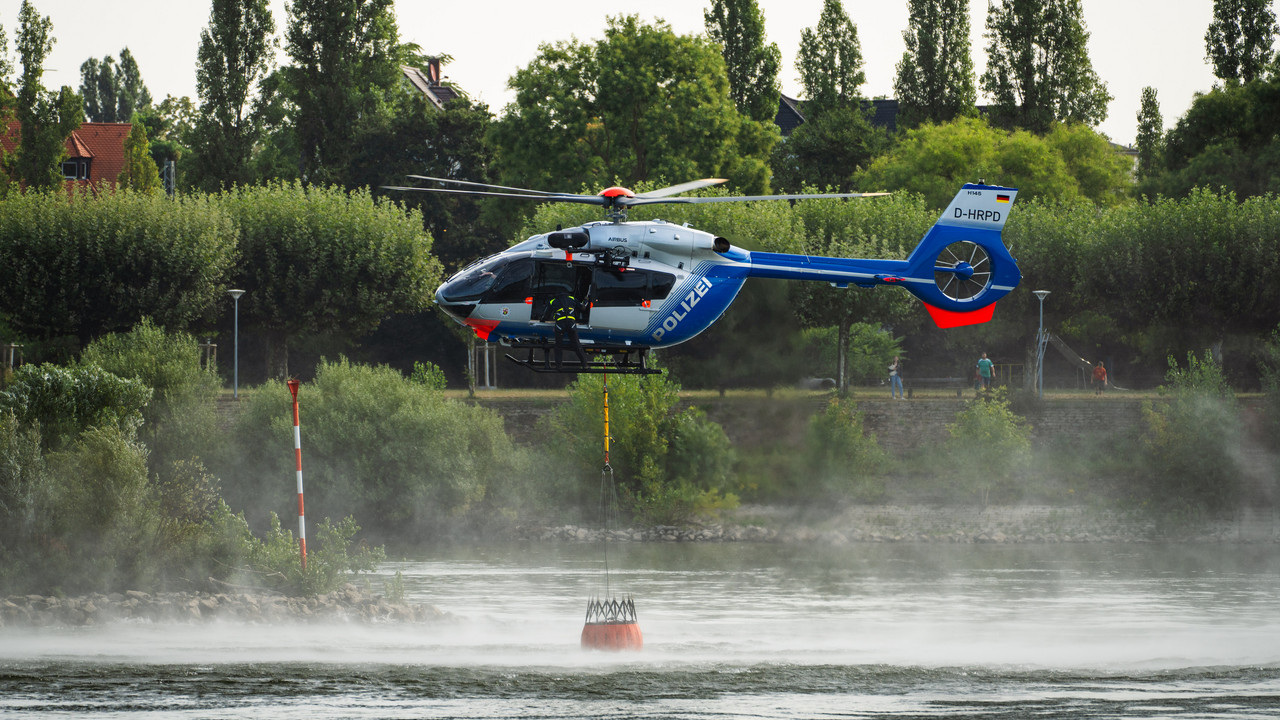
[[731, 630]]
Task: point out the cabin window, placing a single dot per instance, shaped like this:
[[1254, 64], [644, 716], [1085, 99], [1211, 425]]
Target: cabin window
[[619, 288], [630, 287], [556, 277]]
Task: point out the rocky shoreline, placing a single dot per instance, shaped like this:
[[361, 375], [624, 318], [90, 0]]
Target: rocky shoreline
[[862, 524], [348, 605], [926, 524]]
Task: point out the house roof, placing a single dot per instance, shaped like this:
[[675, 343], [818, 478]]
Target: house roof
[[103, 143], [884, 114], [432, 89], [789, 116]]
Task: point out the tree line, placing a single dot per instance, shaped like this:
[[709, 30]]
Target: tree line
[[327, 108]]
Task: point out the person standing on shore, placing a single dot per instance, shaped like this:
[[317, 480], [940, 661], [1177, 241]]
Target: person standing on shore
[[1099, 378], [895, 378], [984, 371]]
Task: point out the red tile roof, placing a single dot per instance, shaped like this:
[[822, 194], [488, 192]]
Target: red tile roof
[[101, 143]]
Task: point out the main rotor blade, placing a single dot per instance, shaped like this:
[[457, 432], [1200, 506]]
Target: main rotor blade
[[638, 200], [549, 197], [483, 185], [682, 188]]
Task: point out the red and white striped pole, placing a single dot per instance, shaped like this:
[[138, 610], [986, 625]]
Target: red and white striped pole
[[297, 451]]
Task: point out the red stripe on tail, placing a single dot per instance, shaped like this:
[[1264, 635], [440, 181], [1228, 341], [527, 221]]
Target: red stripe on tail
[[951, 318]]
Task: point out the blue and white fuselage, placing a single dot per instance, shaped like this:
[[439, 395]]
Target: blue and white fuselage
[[654, 284]]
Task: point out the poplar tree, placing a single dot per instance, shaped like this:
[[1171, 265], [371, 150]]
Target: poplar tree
[[113, 91], [235, 53], [1238, 41], [139, 172], [830, 61], [47, 118], [345, 60], [936, 81], [752, 65], [1038, 67], [132, 94], [1150, 140]]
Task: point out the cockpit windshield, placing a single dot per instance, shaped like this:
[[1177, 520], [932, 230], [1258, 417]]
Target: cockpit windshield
[[473, 281]]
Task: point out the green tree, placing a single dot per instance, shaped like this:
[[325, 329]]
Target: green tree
[[830, 61], [828, 151], [319, 259], [133, 95], [345, 57], [180, 423], [65, 402], [842, 458], [139, 172], [113, 92], [98, 264], [1071, 161], [877, 228], [1224, 140], [89, 71], [752, 65], [1239, 39], [235, 53], [641, 104], [47, 119], [421, 139], [1038, 67], [1150, 134], [935, 80]]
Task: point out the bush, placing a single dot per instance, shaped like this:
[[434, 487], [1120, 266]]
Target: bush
[[181, 423], [66, 401], [670, 466], [275, 561], [988, 447], [375, 445], [1189, 444], [844, 460]]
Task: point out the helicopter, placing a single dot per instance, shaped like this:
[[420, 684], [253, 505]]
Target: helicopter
[[652, 284]]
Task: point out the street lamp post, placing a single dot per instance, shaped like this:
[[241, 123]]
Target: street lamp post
[[1042, 339], [235, 355]]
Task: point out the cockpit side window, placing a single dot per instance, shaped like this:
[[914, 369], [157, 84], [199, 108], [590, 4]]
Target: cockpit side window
[[471, 283], [512, 284]]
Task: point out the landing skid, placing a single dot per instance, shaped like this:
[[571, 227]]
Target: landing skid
[[624, 363]]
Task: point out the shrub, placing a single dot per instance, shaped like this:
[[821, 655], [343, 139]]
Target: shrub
[[844, 460], [181, 422], [669, 465], [1189, 442], [275, 561], [988, 447], [67, 401], [395, 453]]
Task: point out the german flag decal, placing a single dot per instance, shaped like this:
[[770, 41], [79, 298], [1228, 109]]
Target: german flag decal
[[1002, 198]]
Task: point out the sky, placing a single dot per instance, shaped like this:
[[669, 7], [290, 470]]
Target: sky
[[1133, 43]]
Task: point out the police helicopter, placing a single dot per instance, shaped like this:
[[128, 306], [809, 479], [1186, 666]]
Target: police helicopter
[[654, 284]]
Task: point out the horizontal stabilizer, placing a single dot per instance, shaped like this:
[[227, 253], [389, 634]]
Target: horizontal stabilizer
[[950, 318]]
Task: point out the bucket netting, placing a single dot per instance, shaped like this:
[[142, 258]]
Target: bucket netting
[[610, 611]]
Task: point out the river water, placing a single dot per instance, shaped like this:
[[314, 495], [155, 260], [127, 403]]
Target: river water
[[732, 630]]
